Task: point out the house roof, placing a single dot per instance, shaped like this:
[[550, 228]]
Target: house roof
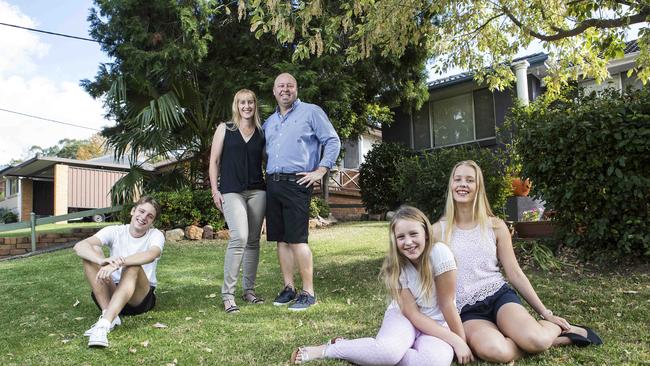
[[535, 60], [39, 166], [4, 168], [631, 47]]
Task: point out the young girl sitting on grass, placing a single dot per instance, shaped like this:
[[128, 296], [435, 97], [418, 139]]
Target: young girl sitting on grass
[[498, 327], [421, 325]]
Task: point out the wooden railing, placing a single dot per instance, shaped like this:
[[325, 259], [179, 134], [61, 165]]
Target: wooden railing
[[344, 180], [33, 221]]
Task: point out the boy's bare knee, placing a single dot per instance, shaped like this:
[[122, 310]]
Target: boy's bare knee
[[130, 272]]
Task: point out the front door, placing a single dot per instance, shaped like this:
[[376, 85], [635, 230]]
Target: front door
[[43, 198]]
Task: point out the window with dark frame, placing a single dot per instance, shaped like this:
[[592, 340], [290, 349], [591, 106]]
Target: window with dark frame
[[13, 186], [463, 118]]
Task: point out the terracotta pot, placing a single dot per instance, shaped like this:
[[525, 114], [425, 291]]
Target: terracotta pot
[[535, 229], [521, 187]]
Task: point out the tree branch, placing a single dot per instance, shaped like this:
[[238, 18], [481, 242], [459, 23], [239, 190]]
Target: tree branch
[[582, 26], [478, 29]]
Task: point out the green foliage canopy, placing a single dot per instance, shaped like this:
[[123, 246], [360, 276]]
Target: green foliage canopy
[[582, 36], [73, 148], [176, 66]]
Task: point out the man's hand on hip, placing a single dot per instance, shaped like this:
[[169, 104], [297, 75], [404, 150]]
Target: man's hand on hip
[[309, 178]]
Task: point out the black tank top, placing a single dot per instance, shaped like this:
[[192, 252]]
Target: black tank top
[[241, 162]]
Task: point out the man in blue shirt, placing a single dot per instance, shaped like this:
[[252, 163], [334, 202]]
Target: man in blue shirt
[[295, 135]]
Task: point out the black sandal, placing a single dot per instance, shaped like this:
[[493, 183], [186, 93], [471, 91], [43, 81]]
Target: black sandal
[[251, 298], [580, 341], [233, 308]]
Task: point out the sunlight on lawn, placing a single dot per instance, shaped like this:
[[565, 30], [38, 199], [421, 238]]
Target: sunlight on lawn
[[40, 323]]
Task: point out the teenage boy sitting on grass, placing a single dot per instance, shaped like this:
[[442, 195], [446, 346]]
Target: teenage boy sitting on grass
[[123, 283]]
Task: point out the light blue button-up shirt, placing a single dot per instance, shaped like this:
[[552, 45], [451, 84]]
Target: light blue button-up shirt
[[293, 141]]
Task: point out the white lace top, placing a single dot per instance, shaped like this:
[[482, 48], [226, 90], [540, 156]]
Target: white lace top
[[478, 275]]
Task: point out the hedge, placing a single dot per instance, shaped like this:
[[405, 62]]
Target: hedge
[[7, 216], [423, 179], [589, 159], [378, 176], [393, 175], [183, 208]]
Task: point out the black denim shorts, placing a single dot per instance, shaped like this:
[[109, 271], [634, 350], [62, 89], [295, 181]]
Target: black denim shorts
[[488, 308], [147, 304], [287, 211]]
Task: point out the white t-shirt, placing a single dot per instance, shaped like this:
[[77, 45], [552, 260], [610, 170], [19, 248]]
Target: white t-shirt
[[442, 260], [122, 244]]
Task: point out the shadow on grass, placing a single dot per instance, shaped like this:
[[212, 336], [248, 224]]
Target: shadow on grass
[[40, 323]]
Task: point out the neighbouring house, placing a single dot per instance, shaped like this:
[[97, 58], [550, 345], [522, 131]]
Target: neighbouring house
[[57, 186], [355, 150], [460, 111]]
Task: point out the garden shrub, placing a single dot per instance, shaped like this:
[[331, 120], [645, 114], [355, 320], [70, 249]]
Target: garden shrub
[[588, 158], [378, 176], [318, 207], [177, 209], [7, 216], [210, 214], [182, 208], [423, 179]]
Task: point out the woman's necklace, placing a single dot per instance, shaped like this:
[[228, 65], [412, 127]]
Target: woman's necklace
[[246, 132]]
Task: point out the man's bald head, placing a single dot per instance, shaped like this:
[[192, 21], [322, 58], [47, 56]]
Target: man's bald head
[[285, 90]]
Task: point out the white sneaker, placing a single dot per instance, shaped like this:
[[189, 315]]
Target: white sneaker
[[99, 336], [117, 321]]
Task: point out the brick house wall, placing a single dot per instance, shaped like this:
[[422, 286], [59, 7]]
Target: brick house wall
[[27, 199], [346, 205]]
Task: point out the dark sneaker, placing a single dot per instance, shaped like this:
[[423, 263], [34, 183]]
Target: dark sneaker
[[303, 302], [286, 296]]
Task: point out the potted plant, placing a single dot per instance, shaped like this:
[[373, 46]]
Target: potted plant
[[534, 224]]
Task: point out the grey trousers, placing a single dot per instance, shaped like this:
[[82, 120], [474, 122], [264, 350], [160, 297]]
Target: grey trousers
[[244, 213]]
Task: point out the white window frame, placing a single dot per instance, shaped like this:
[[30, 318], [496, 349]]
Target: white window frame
[[590, 84]]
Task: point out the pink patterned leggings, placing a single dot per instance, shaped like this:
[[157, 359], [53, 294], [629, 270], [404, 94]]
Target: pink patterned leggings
[[397, 343]]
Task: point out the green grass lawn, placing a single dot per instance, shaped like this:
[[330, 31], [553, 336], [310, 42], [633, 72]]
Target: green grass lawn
[[54, 228], [40, 324]]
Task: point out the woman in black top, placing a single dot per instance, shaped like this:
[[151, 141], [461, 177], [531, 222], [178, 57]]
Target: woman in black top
[[236, 165]]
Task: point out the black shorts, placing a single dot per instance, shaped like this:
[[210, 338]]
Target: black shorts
[[488, 308], [287, 209], [147, 304]]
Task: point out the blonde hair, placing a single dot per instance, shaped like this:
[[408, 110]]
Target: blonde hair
[[236, 117], [481, 210], [395, 260]]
